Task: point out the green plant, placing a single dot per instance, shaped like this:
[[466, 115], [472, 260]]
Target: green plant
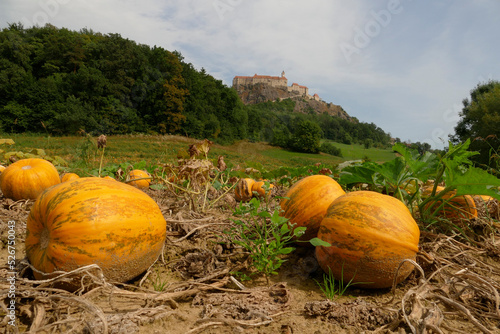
[[158, 283], [86, 151], [332, 288], [266, 237], [329, 148], [460, 177], [409, 170]]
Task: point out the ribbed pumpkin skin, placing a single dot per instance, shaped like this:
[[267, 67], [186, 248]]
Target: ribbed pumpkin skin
[[27, 178], [95, 221], [243, 190], [307, 200], [69, 176], [144, 179], [370, 234]]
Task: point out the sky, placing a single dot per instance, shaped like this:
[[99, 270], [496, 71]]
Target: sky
[[401, 64]]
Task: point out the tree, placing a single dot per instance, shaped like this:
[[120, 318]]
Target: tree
[[480, 121], [306, 137]]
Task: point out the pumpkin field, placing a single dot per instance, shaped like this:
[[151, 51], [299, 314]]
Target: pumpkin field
[[166, 234]]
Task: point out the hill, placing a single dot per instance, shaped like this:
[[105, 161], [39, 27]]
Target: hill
[[262, 92], [62, 82], [264, 88]]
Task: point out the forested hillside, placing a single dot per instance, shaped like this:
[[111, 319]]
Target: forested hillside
[[57, 81]]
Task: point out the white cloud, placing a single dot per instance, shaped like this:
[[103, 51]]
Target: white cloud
[[414, 67]]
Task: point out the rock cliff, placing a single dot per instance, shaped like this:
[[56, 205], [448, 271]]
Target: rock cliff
[[259, 93]]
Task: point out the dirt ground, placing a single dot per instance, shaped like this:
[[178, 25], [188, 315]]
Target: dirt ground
[[455, 289]]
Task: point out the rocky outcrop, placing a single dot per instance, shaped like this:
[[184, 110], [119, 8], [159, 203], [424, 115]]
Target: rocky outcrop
[[259, 93]]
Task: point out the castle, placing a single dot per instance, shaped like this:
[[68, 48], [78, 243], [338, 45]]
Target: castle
[[274, 81]]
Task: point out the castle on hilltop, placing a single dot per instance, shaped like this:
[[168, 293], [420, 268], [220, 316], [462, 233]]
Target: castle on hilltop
[[275, 81]]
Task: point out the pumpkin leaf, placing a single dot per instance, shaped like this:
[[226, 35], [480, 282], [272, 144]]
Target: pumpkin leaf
[[158, 186], [357, 174], [475, 181], [217, 185], [392, 171], [38, 151], [6, 142], [60, 161]]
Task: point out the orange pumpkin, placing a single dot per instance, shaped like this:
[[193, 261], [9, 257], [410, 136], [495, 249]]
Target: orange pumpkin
[[243, 190], [27, 178], [69, 176], [306, 202], [258, 187], [139, 178], [107, 177], [370, 234], [455, 207], [91, 220]]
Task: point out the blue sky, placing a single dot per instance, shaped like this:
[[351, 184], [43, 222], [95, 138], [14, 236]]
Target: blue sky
[[404, 65]]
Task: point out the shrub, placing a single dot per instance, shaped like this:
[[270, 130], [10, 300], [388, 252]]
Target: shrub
[[329, 148]]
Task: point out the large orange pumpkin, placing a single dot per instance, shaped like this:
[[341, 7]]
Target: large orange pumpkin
[[370, 235], [306, 202], [27, 178], [139, 178], [94, 221]]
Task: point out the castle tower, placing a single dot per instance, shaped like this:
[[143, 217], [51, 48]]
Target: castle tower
[[283, 74]]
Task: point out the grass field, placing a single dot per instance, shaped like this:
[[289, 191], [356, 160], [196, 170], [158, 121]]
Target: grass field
[[357, 151], [82, 154]]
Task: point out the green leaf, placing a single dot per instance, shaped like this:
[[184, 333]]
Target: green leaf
[[264, 214], [318, 242], [284, 229], [299, 231], [476, 181], [286, 250], [357, 174], [217, 185], [392, 171], [157, 186], [140, 165]]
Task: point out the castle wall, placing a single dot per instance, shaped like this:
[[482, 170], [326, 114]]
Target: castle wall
[[296, 88], [256, 79], [274, 81]]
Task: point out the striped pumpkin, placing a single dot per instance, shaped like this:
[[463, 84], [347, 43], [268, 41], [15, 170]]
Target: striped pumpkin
[[243, 190], [27, 178], [306, 202], [94, 221], [370, 235]]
